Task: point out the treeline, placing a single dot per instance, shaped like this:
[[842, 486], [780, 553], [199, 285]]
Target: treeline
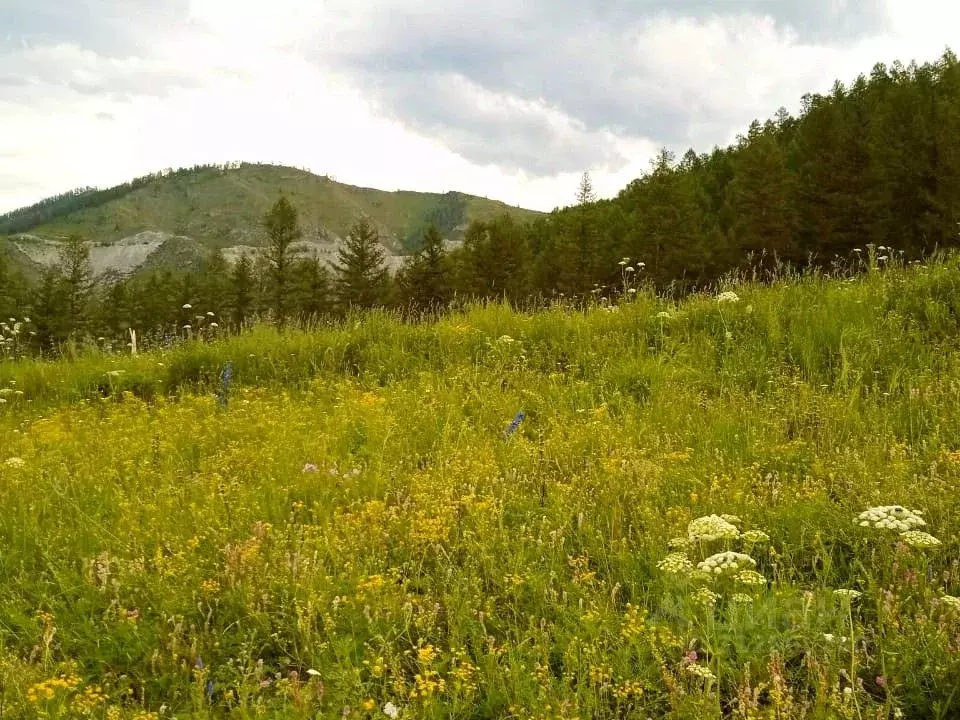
[[874, 164]]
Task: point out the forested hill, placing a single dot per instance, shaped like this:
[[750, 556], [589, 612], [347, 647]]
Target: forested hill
[[222, 205], [877, 161]]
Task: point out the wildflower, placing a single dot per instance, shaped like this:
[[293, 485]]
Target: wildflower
[[391, 710], [950, 602], [186, 327], [313, 673], [849, 595], [711, 527], [675, 564], [512, 428], [727, 563], [732, 519], [700, 671], [214, 325], [919, 539], [187, 306], [705, 597], [210, 314], [663, 315], [741, 598], [750, 577], [728, 297], [15, 462], [754, 537], [891, 517], [309, 468], [678, 543], [624, 261], [226, 380], [505, 339], [629, 269]]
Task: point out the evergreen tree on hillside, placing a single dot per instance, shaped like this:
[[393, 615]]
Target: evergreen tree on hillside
[[585, 192], [242, 289], [312, 289], [48, 311], [283, 229], [361, 277], [427, 280], [76, 275], [213, 289], [12, 303]]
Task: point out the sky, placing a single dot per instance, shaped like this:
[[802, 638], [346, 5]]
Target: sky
[[507, 99]]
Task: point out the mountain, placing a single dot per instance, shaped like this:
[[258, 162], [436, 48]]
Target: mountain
[[174, 218]]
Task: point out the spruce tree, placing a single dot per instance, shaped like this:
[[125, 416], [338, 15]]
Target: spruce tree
[[361, 274], [242, 289], [427, 279], [283, 230], [76, 275]]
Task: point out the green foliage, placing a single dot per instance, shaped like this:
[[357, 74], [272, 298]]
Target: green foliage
[[427, 279], [283, 230], [354, 529], [224, 205], [361, 275]]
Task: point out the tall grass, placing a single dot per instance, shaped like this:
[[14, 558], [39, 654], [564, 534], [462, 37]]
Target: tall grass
[[353, 530]]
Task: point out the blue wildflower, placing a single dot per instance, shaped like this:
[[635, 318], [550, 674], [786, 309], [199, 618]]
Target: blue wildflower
[[512, 428], [199, 663], [226, 379], [209, 689]]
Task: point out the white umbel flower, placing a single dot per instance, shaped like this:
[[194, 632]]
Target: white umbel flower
[[711, 527], [728, 297], [845, 594], [676, 564], [891, 517], [919, 539], [727, 563]]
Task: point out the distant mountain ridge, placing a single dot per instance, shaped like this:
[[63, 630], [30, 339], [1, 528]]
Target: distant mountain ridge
[[173, 219]]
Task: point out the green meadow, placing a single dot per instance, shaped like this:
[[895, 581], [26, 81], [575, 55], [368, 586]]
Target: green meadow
[[742, 505]]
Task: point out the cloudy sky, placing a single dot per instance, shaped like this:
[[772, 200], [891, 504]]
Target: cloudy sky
[[510, 99]]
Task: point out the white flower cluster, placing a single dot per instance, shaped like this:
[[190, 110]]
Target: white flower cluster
[[919, 539], [701, 671], [891, 517], [741, 598], [950, 602], [705, 597], [711, 527], [750, 577], [732, 519], [727, 563], [678, 543], [676, 564], [728, 297], [14, 462], [845, 594], [755, 537], [831, 638]]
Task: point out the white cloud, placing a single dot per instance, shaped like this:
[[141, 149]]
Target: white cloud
[[488, 99]]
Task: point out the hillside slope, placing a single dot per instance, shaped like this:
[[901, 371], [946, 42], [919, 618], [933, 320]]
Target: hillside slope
[[216, 207]]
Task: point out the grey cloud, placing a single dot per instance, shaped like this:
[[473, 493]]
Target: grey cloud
[[108, 27], [588, 60]]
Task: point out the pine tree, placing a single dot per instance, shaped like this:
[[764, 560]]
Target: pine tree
[[585, 194], [76, 275], [242, 289], [360, 271], [283, 229], [312, 288], [213, 291], [427, 280]]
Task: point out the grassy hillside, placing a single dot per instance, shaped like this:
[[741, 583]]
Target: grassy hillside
[[223, 208], [349, 530]]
